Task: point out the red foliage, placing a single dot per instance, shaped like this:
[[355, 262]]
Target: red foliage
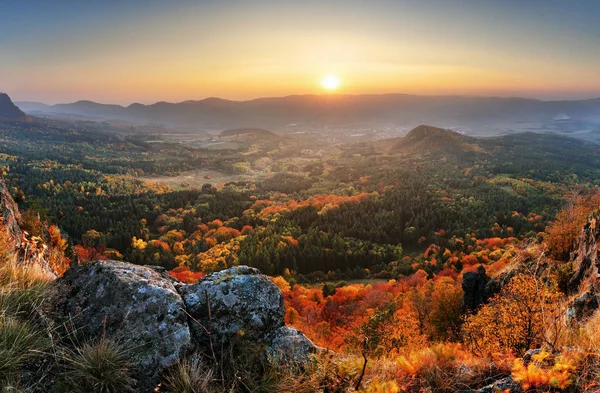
[[184, 274]]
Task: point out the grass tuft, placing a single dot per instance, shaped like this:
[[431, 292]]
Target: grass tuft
[[99, 367], [19, 343], [189, 376]]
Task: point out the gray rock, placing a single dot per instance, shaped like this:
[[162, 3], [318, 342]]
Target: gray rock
[[503, 385], [137, 305], [11, 217], [586, 265], [288, 346], [584, 306], [241, 301]]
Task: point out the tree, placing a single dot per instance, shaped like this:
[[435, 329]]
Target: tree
[[514, 320]]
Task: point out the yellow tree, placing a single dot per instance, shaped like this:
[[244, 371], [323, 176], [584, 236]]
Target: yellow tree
[[514, 320]]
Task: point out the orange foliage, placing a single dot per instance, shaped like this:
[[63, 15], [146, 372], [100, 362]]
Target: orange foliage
[[514, 320], [281, 283], [324, 202], [184, 274], [561, 234], [546, 370]]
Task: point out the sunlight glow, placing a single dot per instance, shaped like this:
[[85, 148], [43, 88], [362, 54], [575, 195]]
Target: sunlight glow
[[330, 82]]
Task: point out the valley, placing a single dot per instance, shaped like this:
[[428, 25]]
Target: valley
[[372, 238]]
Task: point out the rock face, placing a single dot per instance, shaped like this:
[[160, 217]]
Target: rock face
[[30, 250], [8, 110], [585, 258], [474, 288], [11, 217], [137, 305], [235, 301], [163, 319], [583, 306]]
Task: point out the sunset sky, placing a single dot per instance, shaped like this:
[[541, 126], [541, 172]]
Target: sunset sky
[[147, 51]]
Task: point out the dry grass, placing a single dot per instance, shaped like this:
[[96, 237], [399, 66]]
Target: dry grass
[[189, 376], [98, 367], [22, 338]]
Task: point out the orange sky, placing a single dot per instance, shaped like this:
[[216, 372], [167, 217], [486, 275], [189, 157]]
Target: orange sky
[[241, 50]]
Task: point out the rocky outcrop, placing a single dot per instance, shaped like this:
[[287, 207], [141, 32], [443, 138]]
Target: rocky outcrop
[[231, 302], [138, 306], [585, 258], [30, 250], [583, 306], [162, 319], [11, 217], [474, 288]]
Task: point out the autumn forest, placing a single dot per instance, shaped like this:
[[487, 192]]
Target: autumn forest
[[434, 261]]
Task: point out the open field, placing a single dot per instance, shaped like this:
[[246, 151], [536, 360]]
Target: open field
[[195, 178]]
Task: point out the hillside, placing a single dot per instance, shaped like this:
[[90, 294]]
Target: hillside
[[8, 110], [427, 138], [476, 115]]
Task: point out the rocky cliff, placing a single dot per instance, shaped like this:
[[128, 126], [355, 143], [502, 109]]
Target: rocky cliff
[[30, 250], [584, 282]]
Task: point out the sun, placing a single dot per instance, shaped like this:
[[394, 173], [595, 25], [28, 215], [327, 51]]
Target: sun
[[330, 82]]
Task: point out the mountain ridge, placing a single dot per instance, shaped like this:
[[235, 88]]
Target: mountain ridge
[[489, 115]]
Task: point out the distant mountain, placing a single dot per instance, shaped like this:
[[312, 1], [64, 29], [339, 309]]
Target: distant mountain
[[30, 106], [8, 110], [488, 116]]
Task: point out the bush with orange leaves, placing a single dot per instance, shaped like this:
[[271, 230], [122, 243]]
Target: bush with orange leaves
[[513, 321], [445, 367], [547, 371]]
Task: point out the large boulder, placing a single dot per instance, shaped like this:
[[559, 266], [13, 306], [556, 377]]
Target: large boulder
[[137, 305], [236, 301], [288, 346]]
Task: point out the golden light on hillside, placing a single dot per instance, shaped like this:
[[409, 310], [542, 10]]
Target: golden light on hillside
[[330, 82]]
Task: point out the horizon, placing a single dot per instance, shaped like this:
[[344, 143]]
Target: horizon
[[151, 51], [149, 103]]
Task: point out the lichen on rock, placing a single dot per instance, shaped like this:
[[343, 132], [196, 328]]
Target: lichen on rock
[[288, 346], [136, 305], [236, 301]]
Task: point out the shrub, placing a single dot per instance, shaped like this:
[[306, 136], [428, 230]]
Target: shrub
[[442, 368], [19, 342], [100, 367], [545, 370], [189, 376]]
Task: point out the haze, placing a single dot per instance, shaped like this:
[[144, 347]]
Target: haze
[[134, 51]]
